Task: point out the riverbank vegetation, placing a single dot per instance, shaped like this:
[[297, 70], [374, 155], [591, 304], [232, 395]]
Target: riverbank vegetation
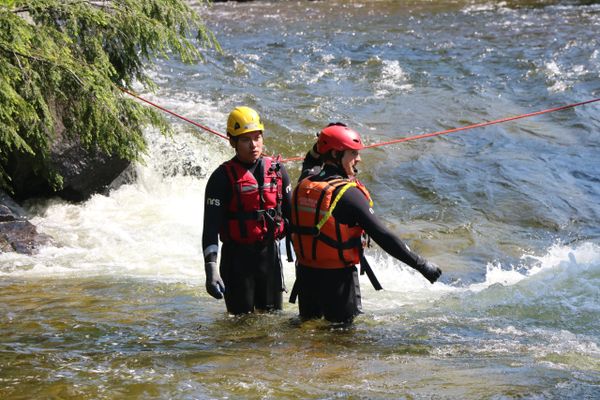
[[62, 63]]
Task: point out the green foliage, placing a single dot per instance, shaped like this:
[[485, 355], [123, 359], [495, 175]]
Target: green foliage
[[62, 63]]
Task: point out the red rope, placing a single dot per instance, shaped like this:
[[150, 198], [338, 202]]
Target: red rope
[[406, 139], [497, 121], [175, 114], [464, 128]]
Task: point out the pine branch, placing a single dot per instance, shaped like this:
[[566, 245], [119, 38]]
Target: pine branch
[[44, 61], [69, 55]]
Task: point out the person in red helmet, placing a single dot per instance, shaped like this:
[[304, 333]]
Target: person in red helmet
[[331, 211]]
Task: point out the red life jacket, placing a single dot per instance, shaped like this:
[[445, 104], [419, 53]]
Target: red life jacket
[[254, 212], [319, 240]]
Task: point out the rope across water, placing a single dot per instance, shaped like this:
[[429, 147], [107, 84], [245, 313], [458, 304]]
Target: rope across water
[[390, 142]]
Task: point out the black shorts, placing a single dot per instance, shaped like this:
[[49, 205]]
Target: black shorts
[[330, 293], [253, 278]]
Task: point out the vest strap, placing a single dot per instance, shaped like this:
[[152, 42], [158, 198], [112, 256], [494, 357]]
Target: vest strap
[[294, 292], [304, 230], [348, 244], [312, 231], [253, 215], [334, 203], [366, 268]]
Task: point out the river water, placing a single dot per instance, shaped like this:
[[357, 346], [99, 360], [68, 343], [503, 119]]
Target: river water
[[511, 212]]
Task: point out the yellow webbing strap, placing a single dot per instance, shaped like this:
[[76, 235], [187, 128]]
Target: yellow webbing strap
[[334, 203]]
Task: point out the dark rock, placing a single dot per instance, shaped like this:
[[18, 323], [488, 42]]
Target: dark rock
[[84, 172], [6, 214], [16, 232], [21, 236], [10, 207], [128, 176]]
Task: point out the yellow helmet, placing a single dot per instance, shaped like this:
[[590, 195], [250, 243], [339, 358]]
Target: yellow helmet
[[242, 120]]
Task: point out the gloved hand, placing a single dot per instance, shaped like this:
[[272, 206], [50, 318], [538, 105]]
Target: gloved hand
[[214, 284], [429, 270]]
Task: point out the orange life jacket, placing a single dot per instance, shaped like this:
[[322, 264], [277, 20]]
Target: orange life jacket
[[254, 212], [319, 240]]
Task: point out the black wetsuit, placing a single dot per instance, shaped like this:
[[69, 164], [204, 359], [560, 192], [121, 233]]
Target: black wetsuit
[[252, 274], [335, 293]]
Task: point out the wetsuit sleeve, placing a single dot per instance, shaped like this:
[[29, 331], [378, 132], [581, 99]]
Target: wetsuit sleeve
[[354, 209], [311, 165], [216, 198], [286, 208]]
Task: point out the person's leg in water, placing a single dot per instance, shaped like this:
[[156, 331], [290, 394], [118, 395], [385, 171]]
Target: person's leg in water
[[268, 278], [342, 299], [237, 273], [309, 289]]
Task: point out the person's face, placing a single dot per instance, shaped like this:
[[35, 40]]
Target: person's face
[[349, 161], [249, 146]]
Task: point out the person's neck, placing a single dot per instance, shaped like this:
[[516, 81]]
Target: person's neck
[[246, 164], [334, 169]]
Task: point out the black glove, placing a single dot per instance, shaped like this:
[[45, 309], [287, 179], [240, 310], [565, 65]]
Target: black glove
[[429, 270], [214, 284]]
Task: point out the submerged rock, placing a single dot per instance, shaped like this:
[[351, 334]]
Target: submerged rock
[[16, 232]]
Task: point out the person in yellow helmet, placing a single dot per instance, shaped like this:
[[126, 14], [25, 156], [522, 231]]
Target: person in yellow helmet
[[247, 206]]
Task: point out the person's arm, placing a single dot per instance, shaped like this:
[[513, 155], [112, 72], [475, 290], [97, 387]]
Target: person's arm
[[286, 210], [216, 197], [286, 205], [354, 209]]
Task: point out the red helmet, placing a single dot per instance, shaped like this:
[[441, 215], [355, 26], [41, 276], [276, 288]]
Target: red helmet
[[338, 136]]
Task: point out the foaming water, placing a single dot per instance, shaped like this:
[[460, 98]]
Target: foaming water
[[393, 80], [150, 227]]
